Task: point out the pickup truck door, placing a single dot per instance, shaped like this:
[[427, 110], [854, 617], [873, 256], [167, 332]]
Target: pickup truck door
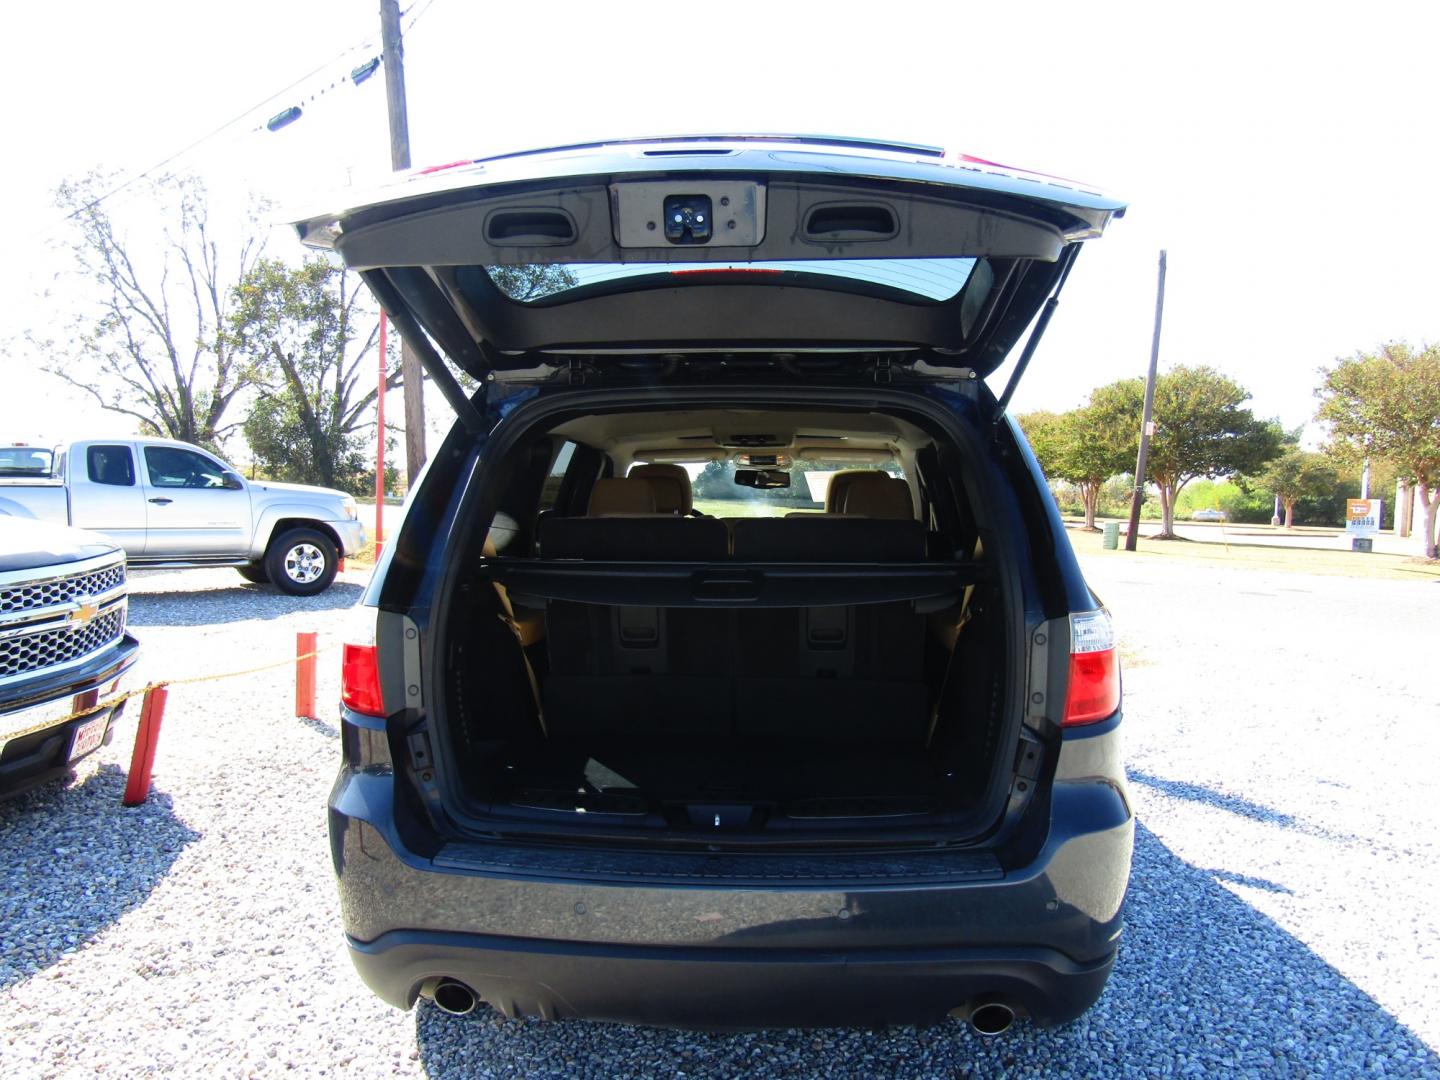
[[189, 510], [105, 493]]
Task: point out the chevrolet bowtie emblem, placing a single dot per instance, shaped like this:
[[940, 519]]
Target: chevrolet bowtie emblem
[[85, 612]]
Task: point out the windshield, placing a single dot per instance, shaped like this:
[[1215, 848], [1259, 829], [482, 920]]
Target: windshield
[[25, 461], [928, 279], [716, 493]]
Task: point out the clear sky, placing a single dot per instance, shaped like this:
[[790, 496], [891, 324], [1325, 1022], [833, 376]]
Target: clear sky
[[1286, 154]]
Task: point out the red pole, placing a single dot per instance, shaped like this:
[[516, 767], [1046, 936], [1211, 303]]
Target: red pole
[[142, 760], [305, 674], [380, 448]]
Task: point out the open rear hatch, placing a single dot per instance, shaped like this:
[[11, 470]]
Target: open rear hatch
[[686, 250]]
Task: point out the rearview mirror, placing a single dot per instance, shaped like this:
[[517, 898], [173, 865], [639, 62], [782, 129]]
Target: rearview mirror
[[762, 478], [231, 481]]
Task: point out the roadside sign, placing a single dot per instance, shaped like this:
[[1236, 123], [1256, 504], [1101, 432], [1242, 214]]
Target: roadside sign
[[1362, 518]]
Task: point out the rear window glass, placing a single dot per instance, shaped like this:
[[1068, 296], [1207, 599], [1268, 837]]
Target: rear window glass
[[929, 279], [25, 461], [111, 465], [550, 493]]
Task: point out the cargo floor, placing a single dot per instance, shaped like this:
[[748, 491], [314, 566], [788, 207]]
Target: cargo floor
[[849, 779]]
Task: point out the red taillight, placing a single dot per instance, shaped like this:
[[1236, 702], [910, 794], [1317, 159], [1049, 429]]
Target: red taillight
[[1094, 691], [360, 680]]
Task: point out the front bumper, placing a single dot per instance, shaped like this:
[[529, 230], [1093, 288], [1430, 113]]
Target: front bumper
[[351, 534], [39, 740], [733, 940]]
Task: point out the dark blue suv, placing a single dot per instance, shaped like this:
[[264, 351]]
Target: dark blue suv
[[731, 666]]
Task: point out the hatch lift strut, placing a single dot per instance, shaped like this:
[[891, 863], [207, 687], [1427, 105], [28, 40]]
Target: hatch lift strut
[[389, 297], [1067, 260]]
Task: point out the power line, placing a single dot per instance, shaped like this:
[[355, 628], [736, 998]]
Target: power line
[[365, 42]]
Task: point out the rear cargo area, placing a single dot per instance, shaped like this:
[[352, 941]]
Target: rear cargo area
[[778, 719], [729, 711]]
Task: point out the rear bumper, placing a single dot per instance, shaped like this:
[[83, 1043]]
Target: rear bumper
[[731, 988], [38, 741], [731, 940]]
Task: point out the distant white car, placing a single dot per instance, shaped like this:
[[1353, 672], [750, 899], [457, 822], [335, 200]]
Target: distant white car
[[1208, 515]]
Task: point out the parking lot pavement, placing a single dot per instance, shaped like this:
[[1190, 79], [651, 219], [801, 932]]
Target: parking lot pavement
[[1280, 732]]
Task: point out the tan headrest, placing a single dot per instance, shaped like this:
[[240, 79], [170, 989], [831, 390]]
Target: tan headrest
[[879, 497], [840, 483], [617, 495], [671, 484]]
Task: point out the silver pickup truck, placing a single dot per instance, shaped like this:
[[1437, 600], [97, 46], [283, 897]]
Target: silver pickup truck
[[170, 504]]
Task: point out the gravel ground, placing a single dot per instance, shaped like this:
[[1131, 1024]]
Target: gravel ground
[[1281, 920]]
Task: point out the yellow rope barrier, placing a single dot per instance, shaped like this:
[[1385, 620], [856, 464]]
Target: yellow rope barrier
[[121, 698]]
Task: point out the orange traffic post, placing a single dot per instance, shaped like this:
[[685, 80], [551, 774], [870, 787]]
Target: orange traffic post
[[305, 674], [142, 761], [340, 565]]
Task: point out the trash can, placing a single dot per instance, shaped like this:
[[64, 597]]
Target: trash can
[[1111, 540]]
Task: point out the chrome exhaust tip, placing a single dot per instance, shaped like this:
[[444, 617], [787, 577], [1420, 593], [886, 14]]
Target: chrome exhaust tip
[[992, 1018], [454, 997]]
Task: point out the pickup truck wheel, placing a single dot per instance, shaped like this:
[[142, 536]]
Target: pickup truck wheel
[[255, 572], [301, 562]]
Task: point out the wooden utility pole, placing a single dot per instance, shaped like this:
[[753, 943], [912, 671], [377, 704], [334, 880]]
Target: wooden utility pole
[[380, 445], [1145, 422], [412, 377]]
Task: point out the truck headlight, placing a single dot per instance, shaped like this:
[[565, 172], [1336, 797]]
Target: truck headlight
[[348, 505]]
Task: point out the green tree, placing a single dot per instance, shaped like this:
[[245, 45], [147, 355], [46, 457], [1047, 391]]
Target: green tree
[[1100, 440], [1386, 404], [1294, 475], [311, 330], [1084, 446], [1202, 428], [147, 336], [533, 281], [1044, 431]]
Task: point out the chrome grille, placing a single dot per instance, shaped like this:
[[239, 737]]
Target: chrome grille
[[60, 590], [34, 652]]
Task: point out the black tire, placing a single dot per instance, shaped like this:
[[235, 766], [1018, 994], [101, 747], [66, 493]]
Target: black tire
[[301, 562], [255, 572]]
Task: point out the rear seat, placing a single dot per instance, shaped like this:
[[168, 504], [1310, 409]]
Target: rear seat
[[623, 523], [670, 485], [638, 670], [840, 484], [877, 524], [841, 672]]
